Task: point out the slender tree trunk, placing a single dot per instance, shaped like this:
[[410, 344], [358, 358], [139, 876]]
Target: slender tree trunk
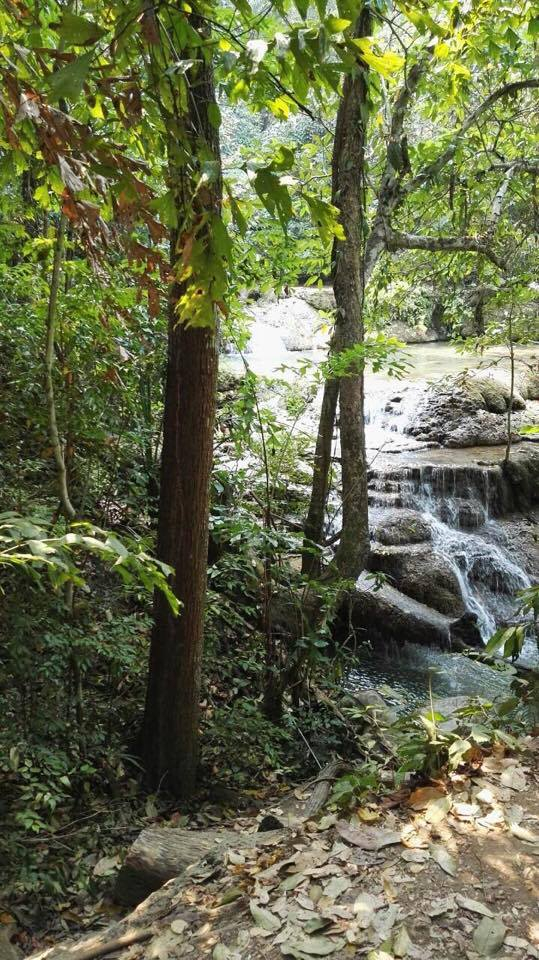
[[60, 457], [511, 388], [52, 309], [314, 526], [479, 316], [170, 737], [348, 284], [348, 191]]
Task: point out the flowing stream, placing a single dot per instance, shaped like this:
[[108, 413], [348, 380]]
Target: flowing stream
[[456, 494], [459, 498]]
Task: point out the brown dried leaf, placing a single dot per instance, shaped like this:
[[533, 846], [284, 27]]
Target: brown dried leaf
[[421, 797], [367, 838]]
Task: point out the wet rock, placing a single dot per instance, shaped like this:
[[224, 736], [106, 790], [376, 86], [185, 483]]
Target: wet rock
[[495, 389], [462, 513], [519, 536], [415, 333], [521, 475], [396, 527], [321, 298], [388, 617], [421, 574], [373, 700], [465, 632]]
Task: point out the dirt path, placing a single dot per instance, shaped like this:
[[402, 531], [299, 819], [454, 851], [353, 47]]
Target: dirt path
[[446, 872]]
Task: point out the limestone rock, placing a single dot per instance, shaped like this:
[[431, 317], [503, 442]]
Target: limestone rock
[[396, 527], [418, 333], [386, 616], [321, 298], [471, 410], [421, 574], [495, 389], [465, 632], [463, 513]]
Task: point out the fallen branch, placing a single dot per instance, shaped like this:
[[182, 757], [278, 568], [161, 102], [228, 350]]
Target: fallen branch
[[90, 951]]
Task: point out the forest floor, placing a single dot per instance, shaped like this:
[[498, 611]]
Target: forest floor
[[446, 869]]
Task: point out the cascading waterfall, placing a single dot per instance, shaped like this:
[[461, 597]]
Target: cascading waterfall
[[460, 503]]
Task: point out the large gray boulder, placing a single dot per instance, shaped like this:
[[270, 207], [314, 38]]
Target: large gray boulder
[[386, 617], [396, 527], [470, 409], [415, 333], [414, 569], [321, 298]]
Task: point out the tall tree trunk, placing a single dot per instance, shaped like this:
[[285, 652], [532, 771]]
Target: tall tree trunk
[[348, 195], [172, 703], [170, 732], [348, 189]]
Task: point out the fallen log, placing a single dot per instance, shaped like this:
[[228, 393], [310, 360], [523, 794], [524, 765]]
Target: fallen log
[[160, 853], [322, 787]]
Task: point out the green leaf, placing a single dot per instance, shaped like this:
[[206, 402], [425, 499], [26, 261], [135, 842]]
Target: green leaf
[[237, 216], [273, 194], [41, 195], [422, 21], [67, 83], [385, 64], [325, 218], [78, 31], [533, 27], [337, 24]]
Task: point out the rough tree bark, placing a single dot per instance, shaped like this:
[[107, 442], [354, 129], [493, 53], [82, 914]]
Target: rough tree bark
[[348, 194], [171, 720]]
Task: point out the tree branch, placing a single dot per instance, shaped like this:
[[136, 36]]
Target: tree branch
[[413, 241], [497, 205], [526, 166], [392, 191], [389, 191], [432, 169]]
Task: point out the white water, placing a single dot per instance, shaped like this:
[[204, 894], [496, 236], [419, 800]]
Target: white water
[[488, 577]]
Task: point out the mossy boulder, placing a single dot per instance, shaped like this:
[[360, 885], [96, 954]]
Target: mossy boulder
[[495, 390], [396, 527], [421, 574]]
